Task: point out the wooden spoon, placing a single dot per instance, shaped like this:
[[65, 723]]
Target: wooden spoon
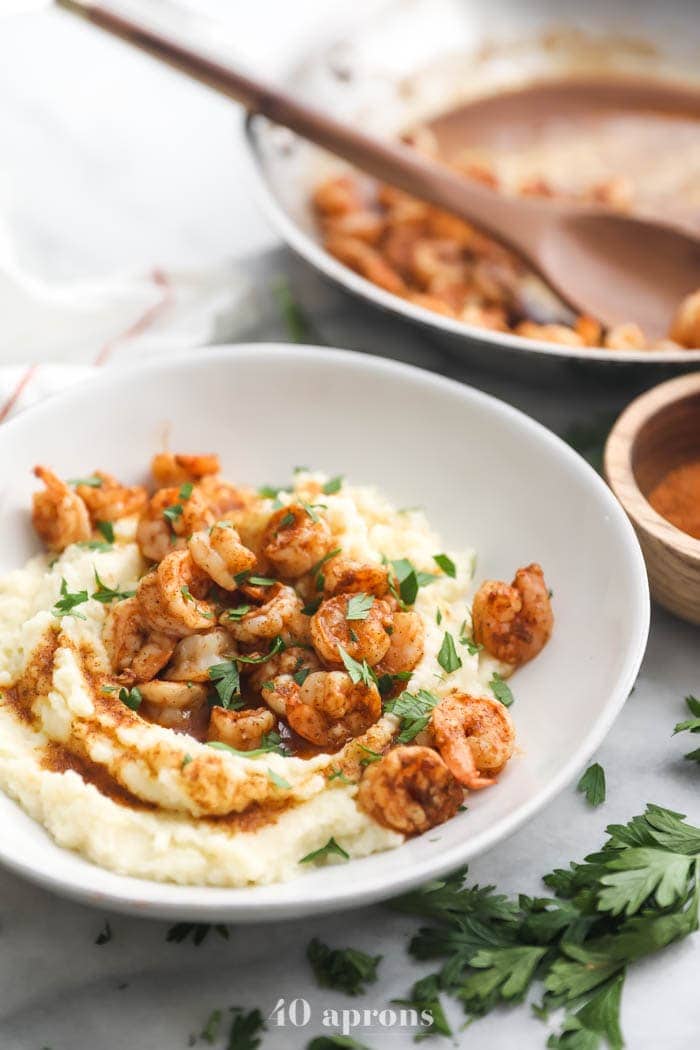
[[613, 266]]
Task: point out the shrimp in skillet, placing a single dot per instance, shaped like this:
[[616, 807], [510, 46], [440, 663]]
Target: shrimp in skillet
[[410, 790], [132, 646], [169, 517], [474, 735], [295, 539], [513, 621], [59, 515], [219, 552], [171, 596], [366, 638]]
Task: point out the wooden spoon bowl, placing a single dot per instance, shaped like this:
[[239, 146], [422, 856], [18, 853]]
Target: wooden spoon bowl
[[660, 430]]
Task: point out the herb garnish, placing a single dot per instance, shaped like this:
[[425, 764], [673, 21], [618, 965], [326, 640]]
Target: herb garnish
[[310, 509], [359, 672], [472, 647], [270, 742], [387, 682], [692, 725], [330, 849], [106, 529], [640, 892], [414, 711], [410, 580], [243, 578], [172, 513], [446, 564], [315, 570], [338, 774], [185, 490], [501, 690], [238, 612], [67, 602], [277, 780], [131, 697], [425, 996], [359, 606], [227, 682], [343, 969], [94, 481], [333, 485], [106, 594], [245, 1029], [211, 1029], [448, 657], [273, 491], [370, 755], [93, 545], [593, 784]]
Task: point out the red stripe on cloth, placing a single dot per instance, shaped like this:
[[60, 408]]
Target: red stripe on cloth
[[17, 392], [145, 321]]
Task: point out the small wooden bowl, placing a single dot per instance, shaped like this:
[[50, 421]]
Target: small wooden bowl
[[657, 432]]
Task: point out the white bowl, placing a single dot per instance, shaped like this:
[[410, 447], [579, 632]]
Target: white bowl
[[488, 477], [409, 62]]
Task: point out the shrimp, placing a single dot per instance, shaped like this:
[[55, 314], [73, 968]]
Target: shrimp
[[169, 468], [410, 790], [344, 576], [59, 515], [329, 709], [168, 519], [222, 498], [110, 500], [195, 654], [474, 735], [131, 645], [294, 539], [170, 596], [175, 705], [220, 553], [363, 639], [279, 614], [405, 645], [294, 660], [243, 730], [513, 622]]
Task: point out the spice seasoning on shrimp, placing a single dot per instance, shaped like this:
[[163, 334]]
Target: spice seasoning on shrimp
[[677, 497]]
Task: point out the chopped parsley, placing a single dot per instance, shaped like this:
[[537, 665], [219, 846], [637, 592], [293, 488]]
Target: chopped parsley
[[329, 850], [472, 647], [333, 485], [227, 683], [315, 570], [592, 783], [359, 606], [210, 1031], [409, 579], [94, 545], [245, 1029], [691, 725], [387, 682], [131, 697], [243, 578], [359, 672], [310, 509], [425, 996], [448, 657], [338, 774], [270, 742], [186, 761], [414, 711], [342, 969], [273, 491], [106, 529], [185, 490], [238, 612], [301, 675], [277, 646], [68, 601], [277, 780], [446, 564], [106, 594], [501, 690], [370, 755], [93, 481], [286, 520], [172, 513]]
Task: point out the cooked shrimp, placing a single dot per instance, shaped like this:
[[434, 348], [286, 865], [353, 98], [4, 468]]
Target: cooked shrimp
[[474, 735], [410, 790], [110, 500], [329, 709], [294, 660], [222, 498], [176, 705], [131, 645], [243, 730], [295, 539], [171, 596], [279, 614], [219, 552], [169, 468], [168, 519], [59, 514], [367, 639], [344, 576], [195, 654], [513, 622], [405, 645]]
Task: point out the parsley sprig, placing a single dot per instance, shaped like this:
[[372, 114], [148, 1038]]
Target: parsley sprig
[[67, 601], [107, 594], [691, 725], [639, 893], [343, 969], [592, 783], [330, 849], [414, 711]]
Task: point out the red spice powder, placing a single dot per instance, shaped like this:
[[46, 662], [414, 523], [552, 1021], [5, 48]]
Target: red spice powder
[[677, 497]]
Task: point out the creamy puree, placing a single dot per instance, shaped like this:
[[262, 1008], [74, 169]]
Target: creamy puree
[[142, 800]]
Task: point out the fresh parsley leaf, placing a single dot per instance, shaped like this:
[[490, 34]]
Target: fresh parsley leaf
[[67, 602], [245, 1029], [106, 594], [338, 774], [501, 690], [414, 711], [409, 580], [387, 682], [448, 658], [227, 683], [425, 997], [273, 491], [105, 934], [131, 697], [315, 570], [446, 564], [691, 725], [278, 644], [106, 528], [260, 581], [238, 612], [94, 545], [172, 513], [333, 485], [285, 521], [270, 742], [370, 755], [599, 1018], [186, 761], [343, 969], [310, 509], [358, 606], [330, 849], [301, 675], [359, 672], [593, 784], [185, 490], [198, 931], [210, 1031], [93, 481], [277, 780]]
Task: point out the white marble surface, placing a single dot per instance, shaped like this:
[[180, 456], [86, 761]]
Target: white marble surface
[[111, 162]]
